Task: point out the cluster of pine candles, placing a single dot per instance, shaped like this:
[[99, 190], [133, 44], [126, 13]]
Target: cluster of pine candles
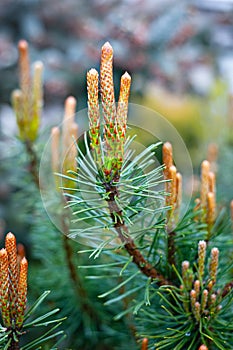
[[199, 296], [198, 292], [13, 284]]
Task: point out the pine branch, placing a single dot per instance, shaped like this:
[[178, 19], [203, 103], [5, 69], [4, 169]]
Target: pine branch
[[122, 230]]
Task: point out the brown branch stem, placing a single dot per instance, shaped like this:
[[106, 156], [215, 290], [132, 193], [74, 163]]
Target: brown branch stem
[[227, 289], [171, 247], [14, 345], [122, 230]]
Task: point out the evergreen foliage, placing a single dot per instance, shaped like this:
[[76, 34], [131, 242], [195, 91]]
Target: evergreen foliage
[[127, 270]]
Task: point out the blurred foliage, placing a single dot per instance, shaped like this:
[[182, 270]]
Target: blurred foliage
[[184, 112], [180, 46]]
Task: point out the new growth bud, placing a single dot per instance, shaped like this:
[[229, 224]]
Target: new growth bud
[[210, 215], [107, 86], [204, 299], [28, 100], [63, 144], [10, 244], [197, 288], [122, 108], [24, 67], [197, 308], [108, 151], [212, 182], [171, 200], [144, 344], [173, 186], [214, 264], [185, 267], [13, 281], [205, 168], [208, 195], [193, 298], [4, 292], [167, 158], [55, 149], [20, 252], [201, 259], [22, 292], [203, 347], [93, 110], [178, 191]]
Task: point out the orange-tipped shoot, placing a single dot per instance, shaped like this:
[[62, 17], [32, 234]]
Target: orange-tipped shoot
[[10, 244], [144, 344], [13, 281], [122, 108], [201, 258], [24, 67], [63, 144], [167, 158], [214, 264], [22, 292], [93, 110], [205, 168], [203, 347], [211, 207], [107, 86], [27, 101], [4, 291]]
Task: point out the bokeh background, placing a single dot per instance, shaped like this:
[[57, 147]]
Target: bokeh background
[[179, 54]]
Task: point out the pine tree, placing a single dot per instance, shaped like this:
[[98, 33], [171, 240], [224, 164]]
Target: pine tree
[[149, 278]]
